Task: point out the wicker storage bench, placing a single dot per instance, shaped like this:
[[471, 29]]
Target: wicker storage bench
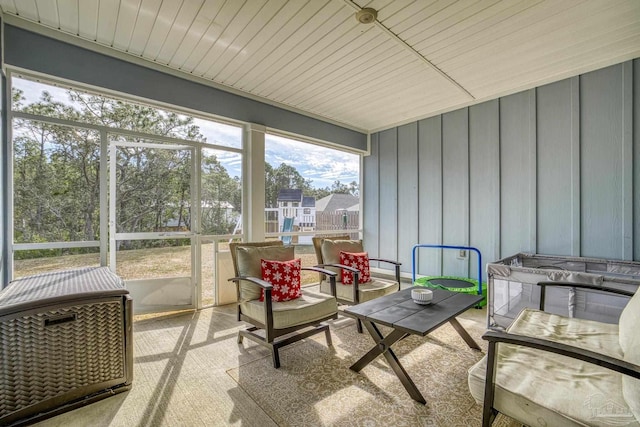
[[65, 342]]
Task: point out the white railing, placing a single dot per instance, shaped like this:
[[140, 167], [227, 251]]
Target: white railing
[[274, 218]]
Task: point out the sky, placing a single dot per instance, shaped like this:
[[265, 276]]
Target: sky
[[322, 165]]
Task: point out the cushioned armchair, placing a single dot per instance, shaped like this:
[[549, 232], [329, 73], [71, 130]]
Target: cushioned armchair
[[552, 370], [276, 303], [355, 290]]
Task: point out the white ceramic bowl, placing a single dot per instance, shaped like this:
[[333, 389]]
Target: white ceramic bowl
[[421, 296]]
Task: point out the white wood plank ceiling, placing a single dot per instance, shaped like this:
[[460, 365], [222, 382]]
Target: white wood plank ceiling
[[420, 58]]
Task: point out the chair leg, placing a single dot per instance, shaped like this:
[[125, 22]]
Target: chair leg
[[276, 356], [243, 332], [327, 333]]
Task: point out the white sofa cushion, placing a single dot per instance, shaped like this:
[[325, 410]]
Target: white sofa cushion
[[540, 388], [630, 343]]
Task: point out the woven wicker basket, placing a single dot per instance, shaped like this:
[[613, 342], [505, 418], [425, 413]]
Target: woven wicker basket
[[63, 347]]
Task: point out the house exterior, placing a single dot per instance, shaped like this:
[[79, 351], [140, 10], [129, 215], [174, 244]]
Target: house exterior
[[293, 204], [337, 202], [338, 212]]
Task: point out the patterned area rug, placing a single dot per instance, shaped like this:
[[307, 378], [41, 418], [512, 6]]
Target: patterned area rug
[[315, 387]]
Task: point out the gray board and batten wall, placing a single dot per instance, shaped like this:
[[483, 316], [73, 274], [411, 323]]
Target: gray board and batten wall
[[551, 170]]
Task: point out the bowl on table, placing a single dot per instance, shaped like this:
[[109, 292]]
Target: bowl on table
[[422, 296]]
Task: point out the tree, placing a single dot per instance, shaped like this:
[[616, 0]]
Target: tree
[[57, 171], [218, 190], [284, 176], [339, 188], [56, 176]]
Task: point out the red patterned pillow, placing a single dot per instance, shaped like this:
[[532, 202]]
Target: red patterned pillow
[[359, 260], [285, 278]]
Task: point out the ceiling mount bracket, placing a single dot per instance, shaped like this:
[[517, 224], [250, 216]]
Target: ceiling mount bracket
[[366, 15], [406, 45]]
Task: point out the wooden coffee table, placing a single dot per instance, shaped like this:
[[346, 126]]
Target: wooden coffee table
[[405, 317]]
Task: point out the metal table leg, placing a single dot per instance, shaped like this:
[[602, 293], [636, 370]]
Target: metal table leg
[[463, 333], [383, 346]]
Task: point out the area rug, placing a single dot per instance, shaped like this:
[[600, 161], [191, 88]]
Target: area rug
[[315, 387]]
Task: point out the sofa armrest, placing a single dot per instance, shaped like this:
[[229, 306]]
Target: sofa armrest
[[356, 277], [386, 260], [579, 353], [586, 286], [395, 263], [496, 337], [330, 274], [263, 284], [268, 304]]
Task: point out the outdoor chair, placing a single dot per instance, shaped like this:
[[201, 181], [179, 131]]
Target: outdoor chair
[[354, 290], [295, 314], [552, 370]]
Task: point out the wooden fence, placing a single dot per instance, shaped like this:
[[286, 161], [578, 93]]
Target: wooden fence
[[347, 220], [325, 221]]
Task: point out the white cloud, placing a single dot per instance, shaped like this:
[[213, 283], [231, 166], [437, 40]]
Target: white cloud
[[219, 133], [320, 164]]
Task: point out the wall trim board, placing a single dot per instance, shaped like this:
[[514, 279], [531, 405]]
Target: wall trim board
[[627, 161], [32, 51], [533, 170], [636, 158], [371, 200], [575, 167]]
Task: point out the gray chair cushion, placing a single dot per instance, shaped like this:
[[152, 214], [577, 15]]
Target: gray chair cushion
[[367, 291], [331, 253], [309, 307]]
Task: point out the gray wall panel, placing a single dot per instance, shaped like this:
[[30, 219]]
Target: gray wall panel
[[430, 197], [554, 168], [39, 53], [627, 161], [636, 159], [484, 183], [514, 173], [407, 193], [4, 198], [455, 189], [601, 162], [388, 217], [370, 200]]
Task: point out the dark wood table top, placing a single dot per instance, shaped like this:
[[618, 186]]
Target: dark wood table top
[[398, 310]]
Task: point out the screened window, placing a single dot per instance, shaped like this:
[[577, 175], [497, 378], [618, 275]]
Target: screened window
[[64, 140], [56, 183]]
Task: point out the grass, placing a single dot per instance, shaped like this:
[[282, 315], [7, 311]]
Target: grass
[[154, 263]]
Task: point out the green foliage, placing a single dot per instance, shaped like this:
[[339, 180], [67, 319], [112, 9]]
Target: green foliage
[[57, 174], [286, 176]]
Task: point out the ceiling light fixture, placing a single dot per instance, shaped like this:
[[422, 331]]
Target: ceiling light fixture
[[367, 15]]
